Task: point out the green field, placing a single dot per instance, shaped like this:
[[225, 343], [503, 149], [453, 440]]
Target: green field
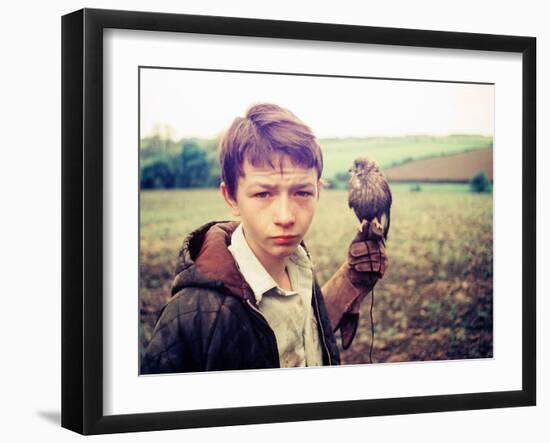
[[431, 187], [339, 154], [434, 303]]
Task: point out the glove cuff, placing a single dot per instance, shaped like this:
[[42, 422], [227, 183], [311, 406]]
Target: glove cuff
[[343, 300], [348, 328]]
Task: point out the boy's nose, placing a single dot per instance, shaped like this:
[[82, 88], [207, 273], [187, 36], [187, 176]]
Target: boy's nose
[[283, 213]]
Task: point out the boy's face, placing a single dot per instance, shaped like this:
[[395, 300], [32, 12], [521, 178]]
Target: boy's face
[[276, 206]]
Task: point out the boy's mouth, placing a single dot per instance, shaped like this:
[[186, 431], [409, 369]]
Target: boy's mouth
[[284, 239]]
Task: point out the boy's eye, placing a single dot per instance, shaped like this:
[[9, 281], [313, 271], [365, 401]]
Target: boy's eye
[[261, 194], [304, 194]]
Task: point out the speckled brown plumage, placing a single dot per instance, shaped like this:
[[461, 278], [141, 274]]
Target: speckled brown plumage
[[369, 193]]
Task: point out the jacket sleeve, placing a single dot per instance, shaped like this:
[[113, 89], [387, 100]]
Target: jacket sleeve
[[201, 330], [169, 351], [343, 301], [187, 333]]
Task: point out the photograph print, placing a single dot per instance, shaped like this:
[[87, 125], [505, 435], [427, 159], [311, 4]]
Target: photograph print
[[291, 220]]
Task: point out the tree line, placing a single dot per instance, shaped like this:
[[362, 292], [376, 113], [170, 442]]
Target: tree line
[[166, 164]]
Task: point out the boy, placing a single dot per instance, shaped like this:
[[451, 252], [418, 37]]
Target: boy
[[244, 295]]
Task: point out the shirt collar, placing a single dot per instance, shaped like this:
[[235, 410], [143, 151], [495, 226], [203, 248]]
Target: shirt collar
[[259, 280]]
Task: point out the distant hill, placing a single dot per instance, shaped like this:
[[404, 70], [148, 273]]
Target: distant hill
[[338, 154], [451, 168]]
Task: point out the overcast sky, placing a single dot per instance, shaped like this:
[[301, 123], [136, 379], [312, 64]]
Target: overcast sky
[[202, 104]]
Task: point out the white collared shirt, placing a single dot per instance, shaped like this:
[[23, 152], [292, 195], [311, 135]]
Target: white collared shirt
[[288, 313]]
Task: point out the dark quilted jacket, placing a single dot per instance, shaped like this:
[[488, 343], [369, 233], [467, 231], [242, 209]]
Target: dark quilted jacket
[[211, 323]]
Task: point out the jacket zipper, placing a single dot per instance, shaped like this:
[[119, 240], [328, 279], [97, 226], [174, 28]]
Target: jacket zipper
[[320, 323], [255, 309]]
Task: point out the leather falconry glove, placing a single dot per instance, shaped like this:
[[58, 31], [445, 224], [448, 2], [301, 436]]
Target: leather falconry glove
[[352, 282]]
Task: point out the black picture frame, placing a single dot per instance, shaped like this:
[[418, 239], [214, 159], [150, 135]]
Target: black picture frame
[[82, 218]]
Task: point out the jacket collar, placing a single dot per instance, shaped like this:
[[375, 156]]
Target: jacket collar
[[204, 260]]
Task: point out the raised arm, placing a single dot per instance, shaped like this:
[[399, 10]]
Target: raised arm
[[354, 280]]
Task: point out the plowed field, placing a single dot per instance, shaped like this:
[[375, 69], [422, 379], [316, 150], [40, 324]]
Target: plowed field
[[457, 168]]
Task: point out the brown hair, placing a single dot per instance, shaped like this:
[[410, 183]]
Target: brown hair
[[266, 129]]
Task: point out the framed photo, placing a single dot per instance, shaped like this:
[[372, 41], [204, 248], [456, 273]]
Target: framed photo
[[151, 105]]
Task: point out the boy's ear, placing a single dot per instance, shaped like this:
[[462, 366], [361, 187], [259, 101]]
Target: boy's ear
[[320, 185], [229, 200]]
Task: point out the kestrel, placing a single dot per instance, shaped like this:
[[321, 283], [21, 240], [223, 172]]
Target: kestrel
[[369, 195]]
